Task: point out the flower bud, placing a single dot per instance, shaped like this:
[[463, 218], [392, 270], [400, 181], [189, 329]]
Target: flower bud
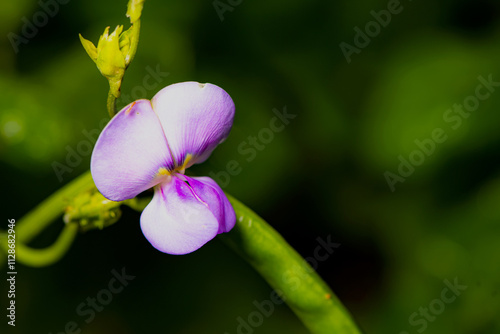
[[108, 57]]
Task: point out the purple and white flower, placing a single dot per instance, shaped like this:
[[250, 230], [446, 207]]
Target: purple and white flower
[[150, 144]]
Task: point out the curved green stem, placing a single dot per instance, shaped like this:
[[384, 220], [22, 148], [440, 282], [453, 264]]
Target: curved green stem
[[35, 221], [47, 256], [288, 273]]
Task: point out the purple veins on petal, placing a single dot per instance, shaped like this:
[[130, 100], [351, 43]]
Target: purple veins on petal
[[208, 191], [176, 221]]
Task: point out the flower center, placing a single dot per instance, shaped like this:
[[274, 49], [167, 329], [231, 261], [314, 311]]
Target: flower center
[[162, 171]]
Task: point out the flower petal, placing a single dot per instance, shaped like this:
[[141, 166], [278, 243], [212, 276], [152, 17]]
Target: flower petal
[[129, 153], [195, 118], [176, 221], [208, 191]]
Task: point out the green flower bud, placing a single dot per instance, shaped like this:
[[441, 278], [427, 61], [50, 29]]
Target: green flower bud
[[108, 57]]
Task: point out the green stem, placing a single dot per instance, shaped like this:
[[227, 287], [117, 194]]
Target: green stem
[[113, 94], [288, 273], [111, 104]]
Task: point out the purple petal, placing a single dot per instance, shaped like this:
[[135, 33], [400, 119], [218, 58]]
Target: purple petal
[[195, 118], [208, 191], [130, 152], [176, 221]]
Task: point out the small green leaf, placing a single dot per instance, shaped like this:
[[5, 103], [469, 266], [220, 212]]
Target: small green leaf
[[89, 47]]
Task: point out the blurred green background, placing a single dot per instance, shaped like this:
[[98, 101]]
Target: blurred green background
[[323, 175]]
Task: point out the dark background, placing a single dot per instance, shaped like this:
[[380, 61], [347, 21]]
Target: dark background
[[323, 175]]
